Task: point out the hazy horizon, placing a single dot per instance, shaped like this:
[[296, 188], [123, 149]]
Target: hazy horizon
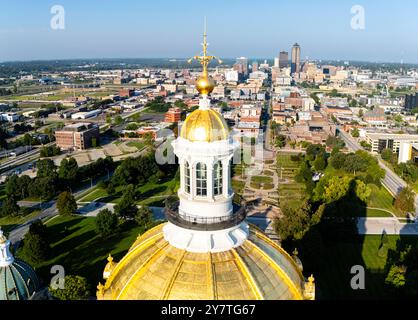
[[128, 29]]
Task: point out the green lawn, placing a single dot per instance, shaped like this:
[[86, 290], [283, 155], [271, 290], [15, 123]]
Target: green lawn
[[11, 222], [262, 179], [149, 194], [331, 268], [136, 144], [80, 250]]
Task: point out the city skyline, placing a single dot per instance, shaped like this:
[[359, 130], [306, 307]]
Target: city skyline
[[95, 30]]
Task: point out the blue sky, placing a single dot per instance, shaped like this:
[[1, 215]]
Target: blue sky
[[169, 28]]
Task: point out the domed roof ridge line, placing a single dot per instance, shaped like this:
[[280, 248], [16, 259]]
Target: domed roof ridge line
[[18, 273], [145, 244], [281, 250], [248, 275], [141, 270], [14, 281], [167, 290], [280, 272], [211, 277]]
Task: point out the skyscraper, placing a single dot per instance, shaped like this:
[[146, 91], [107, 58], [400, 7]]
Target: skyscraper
[[244, 63], [255, 66], [283, 59], [295, 68]]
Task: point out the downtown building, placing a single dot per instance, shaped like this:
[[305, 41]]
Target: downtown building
[[77, 136]]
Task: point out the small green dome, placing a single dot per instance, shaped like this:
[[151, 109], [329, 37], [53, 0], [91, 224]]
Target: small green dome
[[18, 280]]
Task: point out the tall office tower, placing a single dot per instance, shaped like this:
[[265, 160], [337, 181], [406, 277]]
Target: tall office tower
[[283, 59], [295, 68], [411, 101], [255, 66], [244, 63]]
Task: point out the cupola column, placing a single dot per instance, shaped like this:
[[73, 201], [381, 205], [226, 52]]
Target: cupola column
[[225, 178], [209, 182], [182, 163]]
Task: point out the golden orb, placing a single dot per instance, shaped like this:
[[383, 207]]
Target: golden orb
[[205, 84]]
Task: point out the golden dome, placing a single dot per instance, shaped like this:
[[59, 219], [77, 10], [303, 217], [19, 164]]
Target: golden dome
[[153, 270], [205, 84], [205, 125]]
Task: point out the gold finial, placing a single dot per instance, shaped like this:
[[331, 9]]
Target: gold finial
[[205, 84], [100, 290], [295, 252], [309, 290], [110, 258], [311, 279]]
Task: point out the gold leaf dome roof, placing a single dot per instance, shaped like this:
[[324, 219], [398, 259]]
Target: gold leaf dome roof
[[204, 125], [153, 270]]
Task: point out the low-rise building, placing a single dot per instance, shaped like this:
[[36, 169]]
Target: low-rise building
[[380, 141], [77, 136], [173, 115]]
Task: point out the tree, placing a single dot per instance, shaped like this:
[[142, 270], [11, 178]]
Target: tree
[[106, 222], [387, 154], [50, 151], [362, 190], [313, 150], [405, 200], [118, 120], [75, 288], [294, 223], [66, 203], [355, 133], [126, 208], [46, 168], [143, 216], [68, 171], [396, 277], [9, 207], [35, 243], [43, 188], [337, 160], [319, 163], [332, 188]]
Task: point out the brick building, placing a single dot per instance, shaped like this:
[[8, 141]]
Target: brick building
[[77, 136], [173, 115]]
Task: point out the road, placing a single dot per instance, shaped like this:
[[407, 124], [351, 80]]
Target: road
[[49, 210], [391, 181], [389, 226]]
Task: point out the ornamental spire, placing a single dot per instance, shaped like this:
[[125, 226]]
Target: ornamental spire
[[205, 83]]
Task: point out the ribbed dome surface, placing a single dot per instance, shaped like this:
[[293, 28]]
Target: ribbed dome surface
[[205, 126], [18, 281], [153, 269]]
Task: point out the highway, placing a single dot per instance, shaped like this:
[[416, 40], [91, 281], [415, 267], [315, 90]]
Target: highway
[[392, 182]]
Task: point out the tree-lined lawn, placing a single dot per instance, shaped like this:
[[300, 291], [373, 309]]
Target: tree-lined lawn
[[337, 257], [81, 251]]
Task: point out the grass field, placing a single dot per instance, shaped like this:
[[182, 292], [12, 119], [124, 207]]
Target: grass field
[[136, 144], [81, 251], [149, 194], [9, 223], [291, 192], [333, 276]]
